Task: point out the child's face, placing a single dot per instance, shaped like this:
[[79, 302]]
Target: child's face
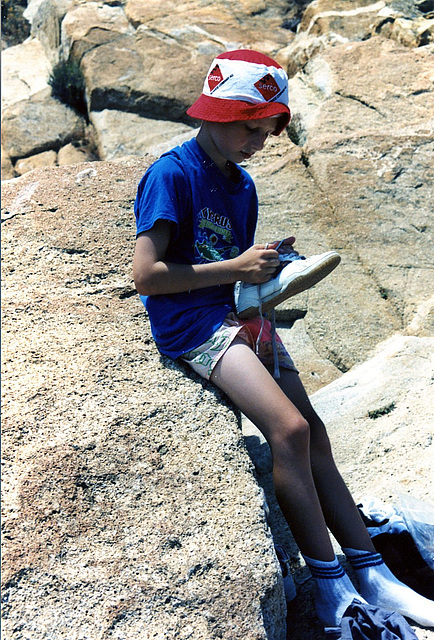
[[236, 141]]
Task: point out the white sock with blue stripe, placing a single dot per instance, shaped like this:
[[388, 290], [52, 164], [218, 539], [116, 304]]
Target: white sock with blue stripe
[[334, 590], [381, 588]]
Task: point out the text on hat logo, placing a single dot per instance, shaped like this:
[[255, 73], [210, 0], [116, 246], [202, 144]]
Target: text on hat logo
[[214, 77], [267, 87]]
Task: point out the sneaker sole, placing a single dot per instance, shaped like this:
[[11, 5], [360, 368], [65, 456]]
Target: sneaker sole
[[301, 281]]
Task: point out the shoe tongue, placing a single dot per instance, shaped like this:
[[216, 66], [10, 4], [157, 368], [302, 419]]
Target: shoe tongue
[[290, 256]]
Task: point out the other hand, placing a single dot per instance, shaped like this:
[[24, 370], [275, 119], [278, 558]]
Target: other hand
[[258, 263]]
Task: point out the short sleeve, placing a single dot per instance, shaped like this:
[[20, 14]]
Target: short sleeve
[[163, 193]]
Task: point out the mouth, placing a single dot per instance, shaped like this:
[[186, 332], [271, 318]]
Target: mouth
[[246, 155]]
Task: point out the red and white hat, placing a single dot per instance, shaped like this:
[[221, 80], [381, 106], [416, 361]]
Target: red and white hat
[[243, 85]]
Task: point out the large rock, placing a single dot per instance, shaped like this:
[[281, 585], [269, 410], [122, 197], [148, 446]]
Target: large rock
[[364, 88], [245, 10], [208, 26], [144, 74], [43, 159], [120, 134], [71, 154], [350, 20], [292, 203], [130, 506], [414, 31], [129, 502], [39, 124], [45, 18], [157, 67], [380, 418], [21, 80], [329, 22], [391, 228], [402, 20], [362, 112], [89, 25]]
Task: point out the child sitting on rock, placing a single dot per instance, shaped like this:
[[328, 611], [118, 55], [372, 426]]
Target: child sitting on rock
[[196, 211]]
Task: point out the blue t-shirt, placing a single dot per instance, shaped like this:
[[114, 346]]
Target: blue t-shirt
[[215, 219]]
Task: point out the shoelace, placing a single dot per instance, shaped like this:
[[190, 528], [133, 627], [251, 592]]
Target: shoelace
[[284, 258]]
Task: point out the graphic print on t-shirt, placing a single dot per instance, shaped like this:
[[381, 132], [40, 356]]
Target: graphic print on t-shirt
[[214, 237]]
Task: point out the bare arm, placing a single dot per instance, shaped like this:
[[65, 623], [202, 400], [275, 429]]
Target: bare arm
[[153, 275]]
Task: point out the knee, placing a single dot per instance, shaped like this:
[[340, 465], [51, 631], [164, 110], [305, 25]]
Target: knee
[[292, 438]]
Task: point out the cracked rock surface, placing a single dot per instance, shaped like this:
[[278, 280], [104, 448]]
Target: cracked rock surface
[[126, 481]]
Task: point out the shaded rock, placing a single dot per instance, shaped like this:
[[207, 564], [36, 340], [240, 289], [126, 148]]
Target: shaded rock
[[39, 124], [45, 17], [7, 168], [414, 32], [426, 6], [127, 481], [315, 370], [119, 133], [14, 28], [44, 159]]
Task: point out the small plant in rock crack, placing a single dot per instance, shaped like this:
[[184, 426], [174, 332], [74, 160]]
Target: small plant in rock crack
[[383, 411], [68, 86]]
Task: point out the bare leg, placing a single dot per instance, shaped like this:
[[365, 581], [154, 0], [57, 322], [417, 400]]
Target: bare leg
[[340, 511], [311, 491], [250, 386], [297, 469], [378, 585]]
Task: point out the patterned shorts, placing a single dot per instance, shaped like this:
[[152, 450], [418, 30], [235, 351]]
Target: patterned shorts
[[257, 334]]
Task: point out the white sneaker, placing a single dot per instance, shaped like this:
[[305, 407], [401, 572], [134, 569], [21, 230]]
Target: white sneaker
[[297, 276]]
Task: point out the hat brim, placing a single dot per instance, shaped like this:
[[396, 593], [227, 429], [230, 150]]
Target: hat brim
[[222, 110]]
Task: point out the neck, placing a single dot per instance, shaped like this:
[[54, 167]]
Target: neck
[[205, 141]]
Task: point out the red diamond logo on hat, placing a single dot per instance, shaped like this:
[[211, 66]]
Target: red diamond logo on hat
[[215, 77], [267, 87]]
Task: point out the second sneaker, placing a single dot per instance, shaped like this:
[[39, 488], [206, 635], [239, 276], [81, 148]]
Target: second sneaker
[[298, 275]]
